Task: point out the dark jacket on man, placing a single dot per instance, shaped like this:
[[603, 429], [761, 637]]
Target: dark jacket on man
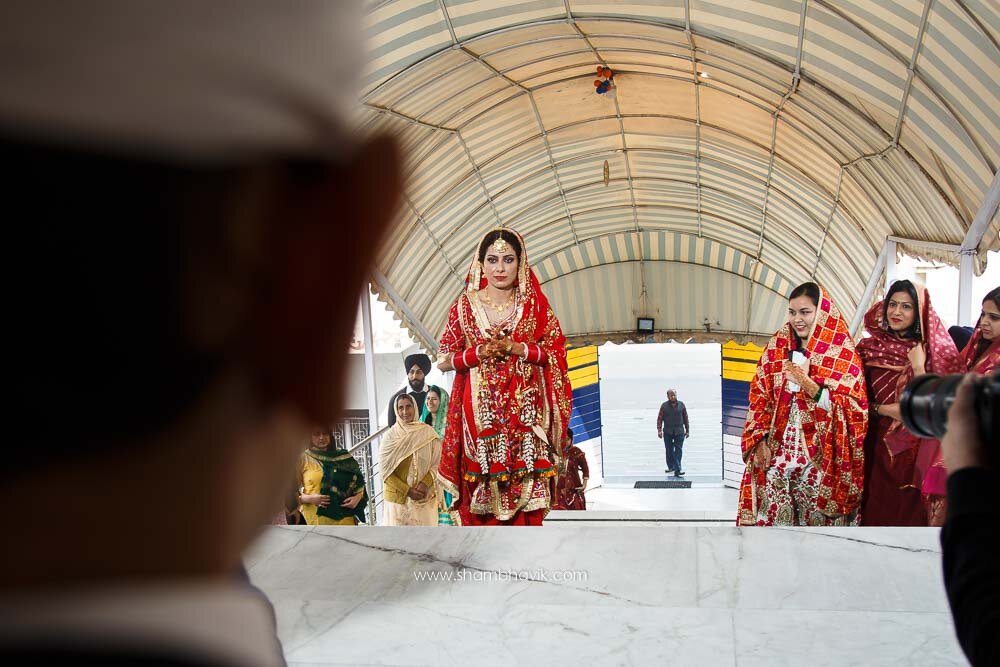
[[673, 418]]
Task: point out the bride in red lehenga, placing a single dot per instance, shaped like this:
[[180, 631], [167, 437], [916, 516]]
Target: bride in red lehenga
[[511, 400]]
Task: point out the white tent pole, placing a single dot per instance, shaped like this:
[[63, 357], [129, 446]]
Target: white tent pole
[[890, 262], [366, 328], [983, 216], [970, 245], [869, 290], [965, 288]]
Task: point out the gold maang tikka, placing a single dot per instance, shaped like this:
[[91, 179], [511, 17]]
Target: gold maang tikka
[[500, 244]]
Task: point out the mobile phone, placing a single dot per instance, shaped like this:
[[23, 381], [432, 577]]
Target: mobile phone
[[797, 358]]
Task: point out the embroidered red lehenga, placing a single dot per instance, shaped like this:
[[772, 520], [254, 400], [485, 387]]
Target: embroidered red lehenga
[[508, 416], [816, 445], [905, 475]]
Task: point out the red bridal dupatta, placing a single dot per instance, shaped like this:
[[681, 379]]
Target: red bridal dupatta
[[884, 349], [507, 417], [987, 361], [834, 437]]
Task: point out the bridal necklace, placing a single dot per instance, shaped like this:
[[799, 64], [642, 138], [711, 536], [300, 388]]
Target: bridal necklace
[[498, 308]]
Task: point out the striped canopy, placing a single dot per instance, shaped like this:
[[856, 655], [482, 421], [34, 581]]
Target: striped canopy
[[750, 146]]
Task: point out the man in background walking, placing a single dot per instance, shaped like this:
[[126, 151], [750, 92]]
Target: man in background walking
[[672, 426]]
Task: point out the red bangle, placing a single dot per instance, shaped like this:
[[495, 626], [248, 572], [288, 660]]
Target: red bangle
[[465, 360], [533, 353]]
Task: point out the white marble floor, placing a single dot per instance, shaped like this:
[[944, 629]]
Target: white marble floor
[[571, 595]]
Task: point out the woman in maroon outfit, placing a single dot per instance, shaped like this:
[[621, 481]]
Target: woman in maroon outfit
[[907, 339], [571, 486]]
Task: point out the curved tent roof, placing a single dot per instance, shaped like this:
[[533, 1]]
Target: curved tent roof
[[750, 146]]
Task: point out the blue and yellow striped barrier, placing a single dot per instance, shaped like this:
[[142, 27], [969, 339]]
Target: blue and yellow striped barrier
[[739, 363], [584, 377]]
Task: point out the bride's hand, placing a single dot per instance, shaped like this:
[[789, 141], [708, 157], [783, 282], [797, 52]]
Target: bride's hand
[[491, 349], [500, 347]]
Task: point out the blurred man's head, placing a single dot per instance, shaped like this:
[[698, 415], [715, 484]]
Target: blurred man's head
[[183, 177], [671, 395]]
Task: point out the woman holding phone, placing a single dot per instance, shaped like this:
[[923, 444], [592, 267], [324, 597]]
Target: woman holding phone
[[806, 423]]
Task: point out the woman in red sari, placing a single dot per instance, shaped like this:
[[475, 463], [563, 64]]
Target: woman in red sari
[[802, 442], [511, 399], [904, 477], [982, 353]]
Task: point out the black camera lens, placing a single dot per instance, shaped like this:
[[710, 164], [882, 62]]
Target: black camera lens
[[925, 402]]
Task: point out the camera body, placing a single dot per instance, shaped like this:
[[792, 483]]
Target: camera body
[[925, 401]]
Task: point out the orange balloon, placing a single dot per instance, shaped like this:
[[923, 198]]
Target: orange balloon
[[597, 82], [600, 69]]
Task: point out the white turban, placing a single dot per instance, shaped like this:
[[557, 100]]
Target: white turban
[[202, 80]]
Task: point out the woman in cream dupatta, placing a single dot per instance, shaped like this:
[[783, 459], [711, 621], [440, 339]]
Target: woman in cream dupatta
[[409, 456]]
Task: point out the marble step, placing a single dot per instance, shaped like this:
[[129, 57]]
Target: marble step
[[650, 516], [571, 594]]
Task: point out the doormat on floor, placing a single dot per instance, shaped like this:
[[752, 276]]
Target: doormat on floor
[[663, 484]]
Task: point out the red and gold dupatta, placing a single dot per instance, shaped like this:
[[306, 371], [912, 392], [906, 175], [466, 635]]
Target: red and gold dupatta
[[988, 361], [834, 437], [884, 349], [536, 324]]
